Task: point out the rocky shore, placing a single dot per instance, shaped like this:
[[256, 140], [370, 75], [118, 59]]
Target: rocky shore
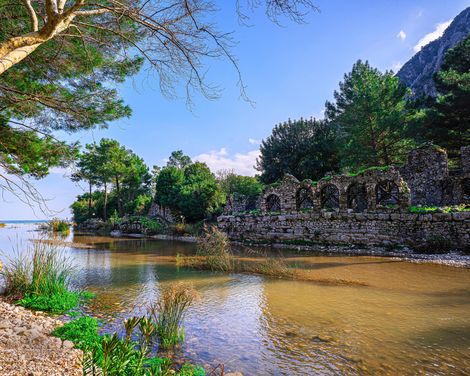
[[28, 349]]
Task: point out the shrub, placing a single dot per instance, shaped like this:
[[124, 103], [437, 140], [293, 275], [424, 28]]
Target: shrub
[[169, 312], [59, 226], [2, 224]]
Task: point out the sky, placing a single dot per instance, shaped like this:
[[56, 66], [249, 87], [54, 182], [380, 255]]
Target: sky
[[289, 70]]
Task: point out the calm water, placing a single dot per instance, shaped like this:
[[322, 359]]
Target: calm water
[[409, 318]]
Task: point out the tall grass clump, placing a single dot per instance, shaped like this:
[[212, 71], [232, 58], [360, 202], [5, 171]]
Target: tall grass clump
[[213, 250], [39, 278], [59, 226], [168, 313]]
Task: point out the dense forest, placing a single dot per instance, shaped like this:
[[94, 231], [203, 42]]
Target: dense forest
[[374, 120]]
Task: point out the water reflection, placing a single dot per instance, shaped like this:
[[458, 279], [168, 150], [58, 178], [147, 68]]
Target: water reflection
[[409, 319]]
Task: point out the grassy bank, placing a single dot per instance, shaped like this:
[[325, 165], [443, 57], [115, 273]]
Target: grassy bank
[[38, 278]]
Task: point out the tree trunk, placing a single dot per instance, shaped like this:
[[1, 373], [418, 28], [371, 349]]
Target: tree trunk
[[105, 214], [15, 49], [119, 202], [89, 199]]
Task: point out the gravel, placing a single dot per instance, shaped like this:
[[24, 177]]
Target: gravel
[[27, 348]]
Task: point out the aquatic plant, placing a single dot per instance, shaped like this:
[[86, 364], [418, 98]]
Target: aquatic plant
[[61, 226], [111, 355], [213, 249], [276, 267], [38, 278], [168, 313]]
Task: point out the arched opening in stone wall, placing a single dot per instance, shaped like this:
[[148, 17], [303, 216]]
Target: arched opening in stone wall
[[387, 193], [447, 188], [329, 197], [273, 203], [251, 203], [466, 188], [304, 199], [357, 197]]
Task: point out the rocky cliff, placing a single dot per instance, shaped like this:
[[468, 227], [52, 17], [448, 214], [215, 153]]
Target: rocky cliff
[[418, 72]]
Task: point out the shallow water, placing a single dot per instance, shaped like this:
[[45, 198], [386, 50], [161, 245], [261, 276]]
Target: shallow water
[[408, 319]]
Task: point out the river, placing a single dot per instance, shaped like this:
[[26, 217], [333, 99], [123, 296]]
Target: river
[[395, 317]]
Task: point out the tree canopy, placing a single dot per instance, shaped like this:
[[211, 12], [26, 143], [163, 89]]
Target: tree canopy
[[303, 148], [187, 188], [447, 117], [60, 61], [372, 112]]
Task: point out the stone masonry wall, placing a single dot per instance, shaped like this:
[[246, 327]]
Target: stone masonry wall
[[450, 230]]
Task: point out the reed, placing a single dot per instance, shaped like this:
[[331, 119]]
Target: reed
[[213, 250], [38, 278], [168, 313]]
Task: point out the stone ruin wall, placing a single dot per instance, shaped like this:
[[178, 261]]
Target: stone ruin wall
[[371, 208]]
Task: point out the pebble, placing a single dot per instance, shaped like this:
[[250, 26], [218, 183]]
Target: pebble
[[26, 347]]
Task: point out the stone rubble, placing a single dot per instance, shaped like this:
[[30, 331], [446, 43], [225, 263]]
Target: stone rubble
[[28, 349]]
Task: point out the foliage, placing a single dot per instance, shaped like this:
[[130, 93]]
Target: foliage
[[438, 209], [59, 225], [303, 148], [132, 355], [372, 112], [39, 278], [446, 119], [169, 311], [231, 183], [179, 160], [191, 191], [109, 163], [83, 332]]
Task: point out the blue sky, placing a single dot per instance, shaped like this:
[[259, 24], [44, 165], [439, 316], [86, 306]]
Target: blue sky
[[290, 71]]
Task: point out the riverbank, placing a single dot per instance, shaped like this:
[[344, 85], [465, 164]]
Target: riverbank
[[27, 348]]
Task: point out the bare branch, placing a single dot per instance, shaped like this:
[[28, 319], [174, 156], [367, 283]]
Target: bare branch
[[32, 15]]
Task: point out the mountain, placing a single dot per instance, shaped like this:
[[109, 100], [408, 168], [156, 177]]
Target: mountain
[[418, 72]]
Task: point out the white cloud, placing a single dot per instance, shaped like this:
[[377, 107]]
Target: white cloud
[[428, 38], [401, 35], [253, 141], [217, 160]]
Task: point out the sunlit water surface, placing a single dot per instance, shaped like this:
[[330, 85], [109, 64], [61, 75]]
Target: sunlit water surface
[[409, 319]]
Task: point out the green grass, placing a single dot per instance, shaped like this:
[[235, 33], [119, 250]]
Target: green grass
[[83, 332], [38, 278], [437, 209], [373, 168]]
